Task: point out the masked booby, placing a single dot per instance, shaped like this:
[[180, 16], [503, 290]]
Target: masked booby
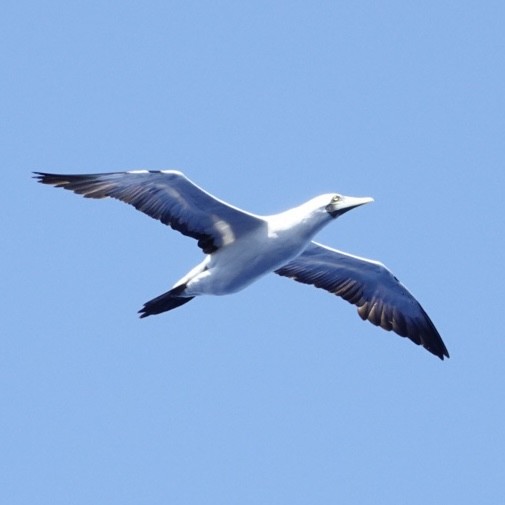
[[240, 247]]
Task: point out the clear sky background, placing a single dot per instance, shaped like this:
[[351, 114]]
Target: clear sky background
[[279, 394]]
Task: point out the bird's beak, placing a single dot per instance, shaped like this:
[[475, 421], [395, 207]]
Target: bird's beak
[[346, 203]]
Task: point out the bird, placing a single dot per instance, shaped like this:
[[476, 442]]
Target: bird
[[240, 247]]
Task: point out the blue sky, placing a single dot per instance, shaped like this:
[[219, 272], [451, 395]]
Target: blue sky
[[279, 394]]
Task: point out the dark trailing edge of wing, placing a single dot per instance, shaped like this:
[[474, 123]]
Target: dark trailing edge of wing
[[318, 267], [147, 198]]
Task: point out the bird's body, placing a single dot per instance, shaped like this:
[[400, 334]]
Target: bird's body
[[277, 240], [241, 247]]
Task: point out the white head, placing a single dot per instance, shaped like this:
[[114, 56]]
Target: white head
[[339, 204], [318, 212], [333, 204]]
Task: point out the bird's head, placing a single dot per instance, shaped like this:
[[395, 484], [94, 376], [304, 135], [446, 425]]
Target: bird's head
[[339, 204]]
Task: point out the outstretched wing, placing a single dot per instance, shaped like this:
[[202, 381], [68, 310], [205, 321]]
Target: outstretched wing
[[168, 196], [380, 296]]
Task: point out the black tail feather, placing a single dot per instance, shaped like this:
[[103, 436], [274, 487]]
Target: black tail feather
[[167, 301]]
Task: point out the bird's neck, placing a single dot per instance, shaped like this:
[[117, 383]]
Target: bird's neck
[[299, 222]]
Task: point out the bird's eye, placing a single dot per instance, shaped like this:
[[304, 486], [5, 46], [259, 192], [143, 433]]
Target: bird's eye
[[336, 199]]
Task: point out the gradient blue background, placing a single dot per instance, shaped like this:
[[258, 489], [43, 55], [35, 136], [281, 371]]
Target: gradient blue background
[[279, 394]]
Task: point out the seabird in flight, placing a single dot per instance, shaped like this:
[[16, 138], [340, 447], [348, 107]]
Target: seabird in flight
[[240, 247]]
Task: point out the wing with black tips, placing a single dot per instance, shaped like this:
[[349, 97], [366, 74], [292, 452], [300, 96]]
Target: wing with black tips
[[379, 296], [168, 196]]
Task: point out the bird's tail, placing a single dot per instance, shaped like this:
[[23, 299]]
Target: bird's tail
[[167, 301]]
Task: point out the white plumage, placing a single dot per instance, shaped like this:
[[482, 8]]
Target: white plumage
[[240, 247]]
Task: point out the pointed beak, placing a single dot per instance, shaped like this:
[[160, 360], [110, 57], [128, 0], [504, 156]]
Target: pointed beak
[[353, 201], [347, 203]]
